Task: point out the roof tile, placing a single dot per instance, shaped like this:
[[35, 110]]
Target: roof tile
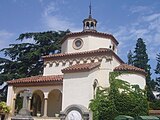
[[81, 67], [37, 79], [125, 67], [78, 53]]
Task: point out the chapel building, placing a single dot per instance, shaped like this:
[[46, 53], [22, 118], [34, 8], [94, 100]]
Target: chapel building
[[70, 78]]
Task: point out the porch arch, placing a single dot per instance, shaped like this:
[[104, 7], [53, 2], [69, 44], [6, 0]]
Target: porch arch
[[37, 103], [18, 102], [54, 103]]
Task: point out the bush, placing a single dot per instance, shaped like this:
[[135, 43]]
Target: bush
[[119, 99], [154, 105], [4, 109]]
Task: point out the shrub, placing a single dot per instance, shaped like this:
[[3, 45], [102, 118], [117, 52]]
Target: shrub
[[4, 109], [120, 98]]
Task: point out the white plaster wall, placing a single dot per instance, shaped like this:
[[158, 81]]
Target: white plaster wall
[[103, 77], [89, 43], [78, 88], [103, 73], [54, 69], [106, 67], [134, 79], [64, 46], [114, 63]]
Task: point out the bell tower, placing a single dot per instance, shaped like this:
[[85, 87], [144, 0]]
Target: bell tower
[[89, 24]]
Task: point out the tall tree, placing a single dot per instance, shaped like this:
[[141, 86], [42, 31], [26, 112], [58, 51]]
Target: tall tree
[[130, 58], [25, 58], [157, 71], [140, 60]]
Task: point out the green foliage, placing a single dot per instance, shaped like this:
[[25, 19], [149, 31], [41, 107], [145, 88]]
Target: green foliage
[[18, 103], [24, 59], [157, 72], [103, 108], [4, 109], [120, 98], [140, 55], [154, 105], [140, 60], [130, 58]]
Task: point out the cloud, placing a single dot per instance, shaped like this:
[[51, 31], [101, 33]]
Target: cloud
[[147, 27], [138, 9], [51, 8], [5, 37], [52, 19], [151, 17]]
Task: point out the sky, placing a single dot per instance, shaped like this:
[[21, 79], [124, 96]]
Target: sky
[[126, 20]]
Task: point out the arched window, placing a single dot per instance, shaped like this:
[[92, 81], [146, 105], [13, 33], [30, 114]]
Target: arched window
[[95, 85], [113, 48], [92, 24], [87, 25]]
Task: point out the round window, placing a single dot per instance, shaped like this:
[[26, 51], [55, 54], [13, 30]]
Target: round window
[[78, 43]]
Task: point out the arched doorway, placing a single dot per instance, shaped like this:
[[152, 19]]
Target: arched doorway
[[18, 102], [37, 103], [54, 103]]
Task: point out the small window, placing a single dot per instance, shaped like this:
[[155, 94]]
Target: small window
[[87, 24], [92, 24], [113, 48], [77, 43]]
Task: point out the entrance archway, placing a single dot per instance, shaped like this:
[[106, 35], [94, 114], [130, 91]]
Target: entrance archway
[[18, 103], [54, 103], [37, 103]]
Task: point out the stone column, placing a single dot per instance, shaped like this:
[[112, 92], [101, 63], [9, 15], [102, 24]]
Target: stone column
[[14, 103], [29, 103], [45, 107], [10, 94]]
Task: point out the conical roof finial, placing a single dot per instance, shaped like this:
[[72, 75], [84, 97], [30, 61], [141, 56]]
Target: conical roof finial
[[90, 10], [89, 24]]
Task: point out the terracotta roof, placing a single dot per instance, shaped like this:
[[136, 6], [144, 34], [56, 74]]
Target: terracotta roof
[[125, 67], [93, 33], [37, 80], [100, 51], [81, 67]]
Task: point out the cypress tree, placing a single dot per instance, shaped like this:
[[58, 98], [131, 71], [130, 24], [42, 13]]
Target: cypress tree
[[140, 60], [157, 71], [130, 58]]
